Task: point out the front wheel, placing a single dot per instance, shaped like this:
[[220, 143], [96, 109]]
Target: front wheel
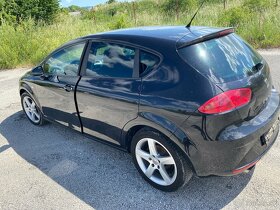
[[31, 109], [158, 161]]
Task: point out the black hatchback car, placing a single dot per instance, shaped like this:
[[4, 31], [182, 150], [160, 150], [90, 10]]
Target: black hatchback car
[[182, 101]]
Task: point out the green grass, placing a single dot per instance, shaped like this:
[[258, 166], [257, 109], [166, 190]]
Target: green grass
[[27, 43]]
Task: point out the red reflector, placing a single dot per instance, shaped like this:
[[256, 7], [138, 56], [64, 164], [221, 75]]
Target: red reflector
[[244, 168], [227, 101]]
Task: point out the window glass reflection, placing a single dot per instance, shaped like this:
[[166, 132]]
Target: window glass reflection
[[65, 61], [110, 60], [223, 59], [147, 61]]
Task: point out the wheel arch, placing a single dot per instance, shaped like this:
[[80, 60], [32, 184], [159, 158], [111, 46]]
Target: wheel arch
[[172, 132], [21, 91], [25, 88]]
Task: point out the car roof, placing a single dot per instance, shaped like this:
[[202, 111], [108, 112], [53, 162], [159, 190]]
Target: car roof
[[154, 32], [153, 36]]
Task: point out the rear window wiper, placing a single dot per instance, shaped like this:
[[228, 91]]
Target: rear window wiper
[[259, 66]]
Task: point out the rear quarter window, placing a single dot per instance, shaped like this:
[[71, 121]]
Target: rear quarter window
[[147, 62], [223, 59]]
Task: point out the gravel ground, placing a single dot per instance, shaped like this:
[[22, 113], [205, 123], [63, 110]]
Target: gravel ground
[[52, 167]]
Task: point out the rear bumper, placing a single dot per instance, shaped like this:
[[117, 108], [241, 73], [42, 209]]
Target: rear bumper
[[239, 146]]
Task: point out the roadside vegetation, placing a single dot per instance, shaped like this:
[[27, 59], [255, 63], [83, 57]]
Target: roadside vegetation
[[30, 29]]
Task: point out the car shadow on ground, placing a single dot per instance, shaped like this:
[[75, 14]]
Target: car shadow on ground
[[104, 177]]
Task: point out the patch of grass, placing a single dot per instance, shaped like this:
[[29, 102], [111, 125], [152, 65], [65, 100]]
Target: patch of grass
[[28, 43]]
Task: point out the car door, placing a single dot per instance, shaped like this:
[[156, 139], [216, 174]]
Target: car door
[[55, 90], [109, 89]]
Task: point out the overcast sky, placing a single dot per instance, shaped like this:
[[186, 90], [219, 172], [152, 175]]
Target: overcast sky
[[83, 3]]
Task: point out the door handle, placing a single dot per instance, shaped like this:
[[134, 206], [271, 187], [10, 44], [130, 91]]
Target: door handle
[[44, 77], [68, 88]]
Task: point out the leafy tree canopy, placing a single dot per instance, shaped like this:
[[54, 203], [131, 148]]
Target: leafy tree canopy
[[111, 1], [18, 10]]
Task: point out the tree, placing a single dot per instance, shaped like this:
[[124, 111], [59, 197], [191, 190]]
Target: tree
[[6, 11], [74, 8], [46, 10], [19, 10], [111, 1]]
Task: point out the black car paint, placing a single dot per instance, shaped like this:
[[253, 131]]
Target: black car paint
[[235, 146], [165, 99], [107, 103]]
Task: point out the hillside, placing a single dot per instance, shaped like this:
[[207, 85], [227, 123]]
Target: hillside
[[257, 21]]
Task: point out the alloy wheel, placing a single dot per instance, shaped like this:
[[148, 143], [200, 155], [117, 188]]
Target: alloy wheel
[[156, 162], [31, 109]]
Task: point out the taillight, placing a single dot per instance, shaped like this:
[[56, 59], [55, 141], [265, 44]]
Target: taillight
[[227, 101]]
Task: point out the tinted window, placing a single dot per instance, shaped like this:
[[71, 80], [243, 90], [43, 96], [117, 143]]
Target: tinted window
[[65, 61], [224, 59], [147, 61], [110, 60]]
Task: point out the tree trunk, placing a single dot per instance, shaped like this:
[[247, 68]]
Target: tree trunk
[[158, 14], [134, 13], [225, 4], [177, 10]]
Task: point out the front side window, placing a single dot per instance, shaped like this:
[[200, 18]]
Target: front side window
[[110, 60], [65, 61]]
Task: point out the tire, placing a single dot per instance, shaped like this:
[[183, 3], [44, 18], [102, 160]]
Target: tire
[[159, 161], [31, 109]]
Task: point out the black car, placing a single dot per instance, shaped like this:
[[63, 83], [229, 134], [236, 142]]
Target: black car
[[182, 101]]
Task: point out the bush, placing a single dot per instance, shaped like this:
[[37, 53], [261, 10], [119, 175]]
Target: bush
[[16, 11], [6, 9], [171, 7], [28, 43], [120, 21], [234, 17], [258, 5], [111, 2]]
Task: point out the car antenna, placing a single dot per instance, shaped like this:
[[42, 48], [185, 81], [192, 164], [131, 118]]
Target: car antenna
[[189, 25]]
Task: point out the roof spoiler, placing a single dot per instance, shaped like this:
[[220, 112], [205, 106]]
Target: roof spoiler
[[220, 33]]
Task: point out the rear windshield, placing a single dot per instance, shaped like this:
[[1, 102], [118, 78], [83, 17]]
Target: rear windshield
[[223, 59]]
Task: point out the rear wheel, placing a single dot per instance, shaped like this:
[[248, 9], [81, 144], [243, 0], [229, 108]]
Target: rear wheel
[[159, 161], [31, 109]]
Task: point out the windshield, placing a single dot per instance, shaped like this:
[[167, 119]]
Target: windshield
[[223, 59]]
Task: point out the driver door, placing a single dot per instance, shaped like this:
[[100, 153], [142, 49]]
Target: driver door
[[56, 88]]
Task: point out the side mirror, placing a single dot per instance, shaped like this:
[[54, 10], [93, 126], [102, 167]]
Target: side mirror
[[38, 71]]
